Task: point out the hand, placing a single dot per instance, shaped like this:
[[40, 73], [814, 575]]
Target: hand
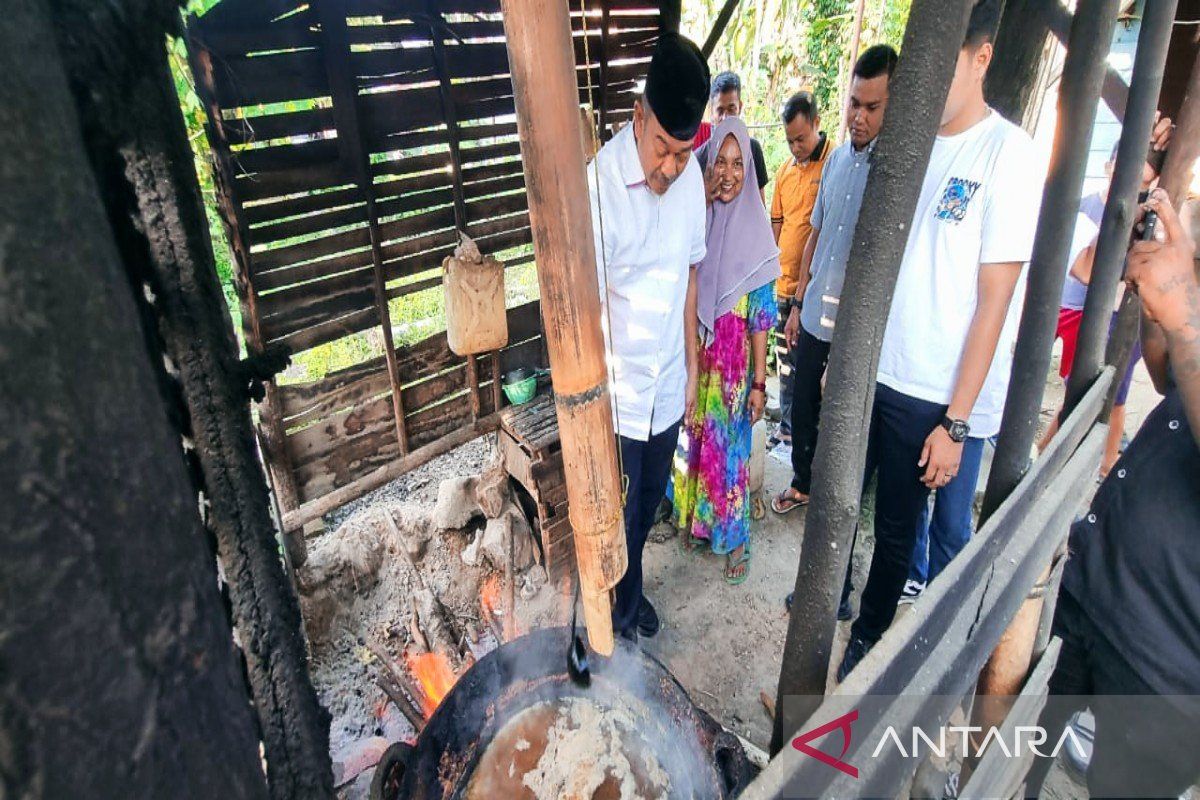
[[1164, 129], [791, 328], [940, 457], [1161, 271], [689, 399], [756, 401], [710, 185]]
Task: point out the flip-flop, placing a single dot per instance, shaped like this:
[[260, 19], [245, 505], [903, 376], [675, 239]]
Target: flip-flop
[[744, 560], [691, 544], [778, 501]]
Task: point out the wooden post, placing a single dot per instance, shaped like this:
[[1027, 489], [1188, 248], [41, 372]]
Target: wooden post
[[335, 46], [918, 92], [542, 61]]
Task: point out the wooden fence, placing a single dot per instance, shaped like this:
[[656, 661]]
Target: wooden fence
[[352, 139]]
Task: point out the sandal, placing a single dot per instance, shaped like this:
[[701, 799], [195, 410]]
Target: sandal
[[784, 502], [732, 564], [691, 544]]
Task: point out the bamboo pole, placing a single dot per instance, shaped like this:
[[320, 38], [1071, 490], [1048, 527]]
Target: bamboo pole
[[542, 62], [848, 70]]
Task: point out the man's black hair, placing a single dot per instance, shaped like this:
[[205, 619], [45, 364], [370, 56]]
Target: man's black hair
[[726, 82], [876, 60], [985, 18], [802, 104]]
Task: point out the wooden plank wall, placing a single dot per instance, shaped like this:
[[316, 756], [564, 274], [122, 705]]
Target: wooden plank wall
[[352, 139]]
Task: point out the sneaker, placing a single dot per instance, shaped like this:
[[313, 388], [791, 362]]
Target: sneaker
[[912, 590], [855, 650], [1076, 760], [845, 611], [648, 623], [950, 790]]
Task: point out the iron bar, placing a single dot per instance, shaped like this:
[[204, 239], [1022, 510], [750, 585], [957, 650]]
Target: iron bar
[[1113, 241], [932, 41], [1083, 73], [1114, 91], [1175, 178]]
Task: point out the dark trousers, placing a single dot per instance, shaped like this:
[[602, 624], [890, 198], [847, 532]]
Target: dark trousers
[[647, 470], [783, 364], [1145, 745], [899, 427], [809, 359]]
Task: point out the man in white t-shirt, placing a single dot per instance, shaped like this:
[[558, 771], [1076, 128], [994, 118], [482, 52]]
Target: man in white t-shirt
[[971, 234], [648, 217]]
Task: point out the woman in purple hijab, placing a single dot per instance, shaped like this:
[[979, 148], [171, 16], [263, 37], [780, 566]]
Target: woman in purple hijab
[[737, 311]]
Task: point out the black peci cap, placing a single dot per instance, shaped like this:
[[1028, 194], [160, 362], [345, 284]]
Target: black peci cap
[[677, 85]]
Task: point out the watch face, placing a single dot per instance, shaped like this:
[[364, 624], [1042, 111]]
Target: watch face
[[958, 430]]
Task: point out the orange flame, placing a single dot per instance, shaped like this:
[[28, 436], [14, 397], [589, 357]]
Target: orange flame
[[494, 606], [436, 676]]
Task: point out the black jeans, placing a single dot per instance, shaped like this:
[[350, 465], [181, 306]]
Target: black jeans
[[647, 470], [809, 359], [900, 424], [1145, 746]]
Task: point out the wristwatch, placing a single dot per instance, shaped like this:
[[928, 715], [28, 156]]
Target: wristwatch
[[958, 429]]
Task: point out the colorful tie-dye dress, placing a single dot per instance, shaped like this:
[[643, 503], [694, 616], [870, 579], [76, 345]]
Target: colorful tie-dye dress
[[711, 481]]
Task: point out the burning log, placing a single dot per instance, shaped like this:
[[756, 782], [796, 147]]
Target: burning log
[[394, 683]]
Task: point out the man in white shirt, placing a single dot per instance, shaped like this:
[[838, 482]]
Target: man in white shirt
[[648, 216], [972, 232]]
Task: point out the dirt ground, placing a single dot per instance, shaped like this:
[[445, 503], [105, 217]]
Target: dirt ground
[[723, 643]]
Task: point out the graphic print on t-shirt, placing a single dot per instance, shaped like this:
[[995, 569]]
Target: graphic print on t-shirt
[[953, 205]]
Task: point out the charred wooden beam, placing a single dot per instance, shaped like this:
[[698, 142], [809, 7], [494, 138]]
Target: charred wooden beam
[[335, 49], [120, 677], [538, 35], [1117, 224], [1018, 72], [718, 28], [140, 153], [1083, 74], [932, 41], [237, 231]]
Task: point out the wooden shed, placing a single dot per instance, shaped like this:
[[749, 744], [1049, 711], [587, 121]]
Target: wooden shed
[[353, 141]]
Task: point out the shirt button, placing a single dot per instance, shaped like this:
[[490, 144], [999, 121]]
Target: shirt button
[[1121, 473], [839, 227], [1091, 518], [1173, 424]]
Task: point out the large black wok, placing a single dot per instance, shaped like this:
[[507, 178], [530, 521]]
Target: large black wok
[[703, 760]]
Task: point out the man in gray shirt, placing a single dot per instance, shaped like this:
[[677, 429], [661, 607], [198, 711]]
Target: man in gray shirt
[[809, 327]]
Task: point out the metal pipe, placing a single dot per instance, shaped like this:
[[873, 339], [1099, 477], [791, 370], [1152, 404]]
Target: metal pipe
[[1175, 179], [1113, 242], [918, 91], [542, 62], [1083, 74]]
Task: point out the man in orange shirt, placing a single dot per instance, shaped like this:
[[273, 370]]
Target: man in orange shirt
[[796, 185]]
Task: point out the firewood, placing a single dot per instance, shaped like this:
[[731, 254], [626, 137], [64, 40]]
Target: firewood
[[398, 698]]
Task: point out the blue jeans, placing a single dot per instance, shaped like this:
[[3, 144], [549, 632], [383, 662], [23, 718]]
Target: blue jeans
[[947, 534]]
